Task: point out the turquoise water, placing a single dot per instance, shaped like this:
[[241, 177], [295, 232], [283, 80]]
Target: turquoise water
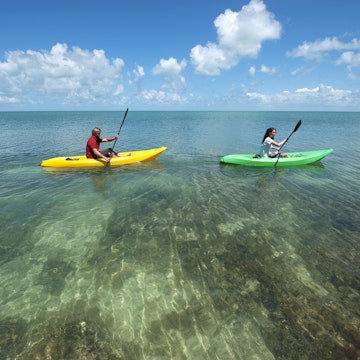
[[181, 257]]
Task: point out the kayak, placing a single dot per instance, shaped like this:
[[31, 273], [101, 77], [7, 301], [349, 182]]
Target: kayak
[[294, 159], [82, 161]]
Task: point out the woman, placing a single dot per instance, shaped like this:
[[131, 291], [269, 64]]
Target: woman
[[268, 143]]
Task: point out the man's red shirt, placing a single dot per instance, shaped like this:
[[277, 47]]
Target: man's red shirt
[[92, 143]]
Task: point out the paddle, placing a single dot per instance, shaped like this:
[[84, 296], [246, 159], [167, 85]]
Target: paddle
[[118, 133], [295, 129], [122, 123]]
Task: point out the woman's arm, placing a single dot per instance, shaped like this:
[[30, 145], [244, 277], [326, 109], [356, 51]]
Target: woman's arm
[[281, 143]]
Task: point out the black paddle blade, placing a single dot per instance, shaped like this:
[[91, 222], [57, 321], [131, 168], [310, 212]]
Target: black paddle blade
[[297, 126]]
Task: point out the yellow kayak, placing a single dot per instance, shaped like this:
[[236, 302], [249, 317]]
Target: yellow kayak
[[82, 161]]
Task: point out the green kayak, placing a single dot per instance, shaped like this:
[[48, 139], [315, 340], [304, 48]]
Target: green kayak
[[294, 159]]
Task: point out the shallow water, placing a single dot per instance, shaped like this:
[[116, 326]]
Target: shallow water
[[181, 257]]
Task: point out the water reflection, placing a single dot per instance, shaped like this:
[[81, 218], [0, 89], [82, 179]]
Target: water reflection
[[102, 176], [238, 170]]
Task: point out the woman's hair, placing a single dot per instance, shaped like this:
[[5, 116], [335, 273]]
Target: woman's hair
[[96, 131], [267, 133]]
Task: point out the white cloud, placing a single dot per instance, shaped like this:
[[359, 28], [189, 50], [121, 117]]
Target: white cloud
[[210, 60], [139, 72], [240, 34], [322, 95], [136, 77], [156, 97], [252, 70], [320, 48], [264, 69], [119, 90], [8, 100], [267, 70], [350, 58], [75, 74], [173, 88], [297, 71], [169, 67]]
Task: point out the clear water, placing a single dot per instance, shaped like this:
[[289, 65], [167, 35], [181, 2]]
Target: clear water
[[181, 257]]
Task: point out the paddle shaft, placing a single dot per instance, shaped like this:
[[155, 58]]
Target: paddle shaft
[[295, 129], [122, 123]]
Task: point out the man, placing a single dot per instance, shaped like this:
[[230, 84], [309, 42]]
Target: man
[[93, 146]]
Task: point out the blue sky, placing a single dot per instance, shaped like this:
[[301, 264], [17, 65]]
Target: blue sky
[[180, 55]]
